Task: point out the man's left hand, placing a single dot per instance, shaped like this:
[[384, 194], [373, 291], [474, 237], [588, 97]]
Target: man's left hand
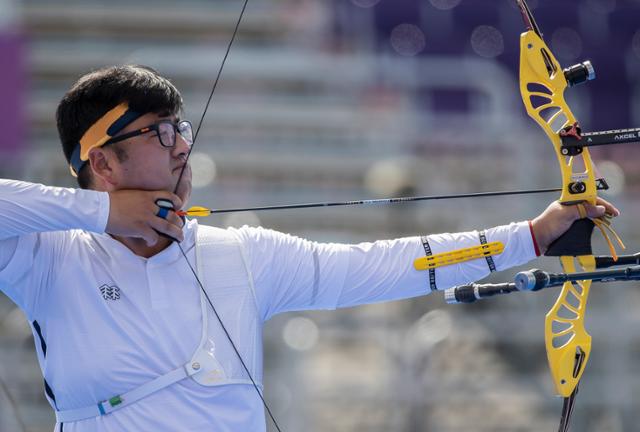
[[558, 218]]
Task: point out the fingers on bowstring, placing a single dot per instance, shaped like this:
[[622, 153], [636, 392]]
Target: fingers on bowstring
[[167, 223]]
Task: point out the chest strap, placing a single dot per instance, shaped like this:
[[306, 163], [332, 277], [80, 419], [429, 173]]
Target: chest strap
[[125, 399]]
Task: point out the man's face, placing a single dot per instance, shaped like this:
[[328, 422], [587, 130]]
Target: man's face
[[150, 165]]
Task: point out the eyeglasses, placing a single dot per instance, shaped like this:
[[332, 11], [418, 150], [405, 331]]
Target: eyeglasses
[[165, 131]]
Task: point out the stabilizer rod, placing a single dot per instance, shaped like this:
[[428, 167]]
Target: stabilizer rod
[[535, 280]]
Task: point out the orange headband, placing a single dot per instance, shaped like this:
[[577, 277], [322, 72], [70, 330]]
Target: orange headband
[[99, 133]]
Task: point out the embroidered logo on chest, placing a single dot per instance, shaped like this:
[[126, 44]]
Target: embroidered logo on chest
[[110, 292]]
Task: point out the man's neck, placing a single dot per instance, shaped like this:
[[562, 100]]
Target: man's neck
[[140, 247]]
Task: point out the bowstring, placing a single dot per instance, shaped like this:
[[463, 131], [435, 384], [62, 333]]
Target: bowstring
[[193, 271]]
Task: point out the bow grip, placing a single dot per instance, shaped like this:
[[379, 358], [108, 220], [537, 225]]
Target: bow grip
[[575, 242]]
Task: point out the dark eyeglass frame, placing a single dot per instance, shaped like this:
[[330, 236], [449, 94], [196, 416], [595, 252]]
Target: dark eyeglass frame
[[177, 128]]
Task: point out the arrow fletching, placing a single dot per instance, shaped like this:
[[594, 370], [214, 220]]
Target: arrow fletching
[[195, 211]]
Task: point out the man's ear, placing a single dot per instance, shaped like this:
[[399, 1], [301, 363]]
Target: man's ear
[[102, 162]]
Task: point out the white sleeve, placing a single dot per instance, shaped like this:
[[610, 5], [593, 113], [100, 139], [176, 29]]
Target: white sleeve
[[28, 208], [518, 249], [28, 265], [33, 218], [291, 273]]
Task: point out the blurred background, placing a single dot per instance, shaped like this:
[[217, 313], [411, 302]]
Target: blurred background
[[349, 99]]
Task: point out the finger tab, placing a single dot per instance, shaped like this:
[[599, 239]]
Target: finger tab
[[164, 203]]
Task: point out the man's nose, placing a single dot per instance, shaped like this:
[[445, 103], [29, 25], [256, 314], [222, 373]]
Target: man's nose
[[182, 146]]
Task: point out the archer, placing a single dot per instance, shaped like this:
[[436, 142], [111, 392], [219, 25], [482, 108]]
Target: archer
[[147, 321]]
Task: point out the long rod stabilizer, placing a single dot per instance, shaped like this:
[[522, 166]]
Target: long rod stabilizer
[[535, 280]]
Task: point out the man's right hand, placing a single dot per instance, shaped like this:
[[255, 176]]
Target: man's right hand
[[133, 213]]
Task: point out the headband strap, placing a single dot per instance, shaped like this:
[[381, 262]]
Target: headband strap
[[99, 133]]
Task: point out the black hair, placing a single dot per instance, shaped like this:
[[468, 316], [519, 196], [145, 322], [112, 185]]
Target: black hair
[[96, 93]]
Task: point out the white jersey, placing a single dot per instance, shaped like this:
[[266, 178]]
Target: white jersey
[[106, 321]]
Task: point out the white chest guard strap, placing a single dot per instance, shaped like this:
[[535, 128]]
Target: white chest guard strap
[[222, 269], [121, 401]]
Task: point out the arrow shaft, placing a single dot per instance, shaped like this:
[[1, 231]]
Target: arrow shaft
[[396, 200]]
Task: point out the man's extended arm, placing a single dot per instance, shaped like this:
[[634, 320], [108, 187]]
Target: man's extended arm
[[291, 273]]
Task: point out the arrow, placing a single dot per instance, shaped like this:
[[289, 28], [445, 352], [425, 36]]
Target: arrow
[[198, 211]]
